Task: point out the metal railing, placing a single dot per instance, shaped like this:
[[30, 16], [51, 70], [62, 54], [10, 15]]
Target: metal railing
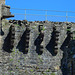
[[43, 15]]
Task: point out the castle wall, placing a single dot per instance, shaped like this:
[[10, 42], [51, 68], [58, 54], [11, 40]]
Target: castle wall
[[2, 2], [17, 61]]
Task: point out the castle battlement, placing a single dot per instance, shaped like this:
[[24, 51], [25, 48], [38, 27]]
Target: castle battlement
[[2, 2], [35, 48]]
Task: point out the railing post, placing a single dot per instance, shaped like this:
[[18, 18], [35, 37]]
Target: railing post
[[46, 15], [66, 16], [25, 14]]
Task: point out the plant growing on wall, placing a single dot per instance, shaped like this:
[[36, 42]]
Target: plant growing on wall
[[68, 29], [16, 25], [31, 70], [11, 59], [52, 73]]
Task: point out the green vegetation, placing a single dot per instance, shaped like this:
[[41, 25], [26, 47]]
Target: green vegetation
[[13, 50], [68, 29], [11, 59], [31, 70], [52, 73], [40, 58], [48, 70], [43, 28], [37, 67], [13, 53], [10, 71], [16, 25], [17, 68], [73, 38], [44, 74], [18, 60], [17, 51], [33, 27]]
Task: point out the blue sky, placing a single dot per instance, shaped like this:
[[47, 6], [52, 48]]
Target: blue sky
[[61, 5]]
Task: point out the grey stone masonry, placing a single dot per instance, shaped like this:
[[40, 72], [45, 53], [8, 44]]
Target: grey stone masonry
[[18, 62], [2, 2], [4, 13], [35, 48], [0, 18]]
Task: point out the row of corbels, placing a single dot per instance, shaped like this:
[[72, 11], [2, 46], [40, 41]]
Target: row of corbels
[[12, 37], [40, 39]]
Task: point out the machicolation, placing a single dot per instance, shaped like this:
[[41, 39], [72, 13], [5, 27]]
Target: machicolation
[[35, 48]]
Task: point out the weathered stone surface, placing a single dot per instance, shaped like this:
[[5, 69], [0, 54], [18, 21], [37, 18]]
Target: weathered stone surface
[[2, 2], [17, 62]]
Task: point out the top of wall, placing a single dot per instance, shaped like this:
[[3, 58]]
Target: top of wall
[[2, 2]]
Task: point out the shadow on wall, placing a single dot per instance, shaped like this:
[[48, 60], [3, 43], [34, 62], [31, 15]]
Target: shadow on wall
[[63, 60], [22, 43], [65, 43], [64, 65], [50, 45], [6, 45], [2, 33], [38, 45]]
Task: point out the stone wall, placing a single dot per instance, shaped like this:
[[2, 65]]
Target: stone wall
[[19, 61], [2, 2]]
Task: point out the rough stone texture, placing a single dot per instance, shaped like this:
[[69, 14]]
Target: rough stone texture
[[2, 2], [16, 62], [0, 18]]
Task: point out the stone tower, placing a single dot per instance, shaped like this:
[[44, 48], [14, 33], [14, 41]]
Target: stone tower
[[4, 13], [2, 2]]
